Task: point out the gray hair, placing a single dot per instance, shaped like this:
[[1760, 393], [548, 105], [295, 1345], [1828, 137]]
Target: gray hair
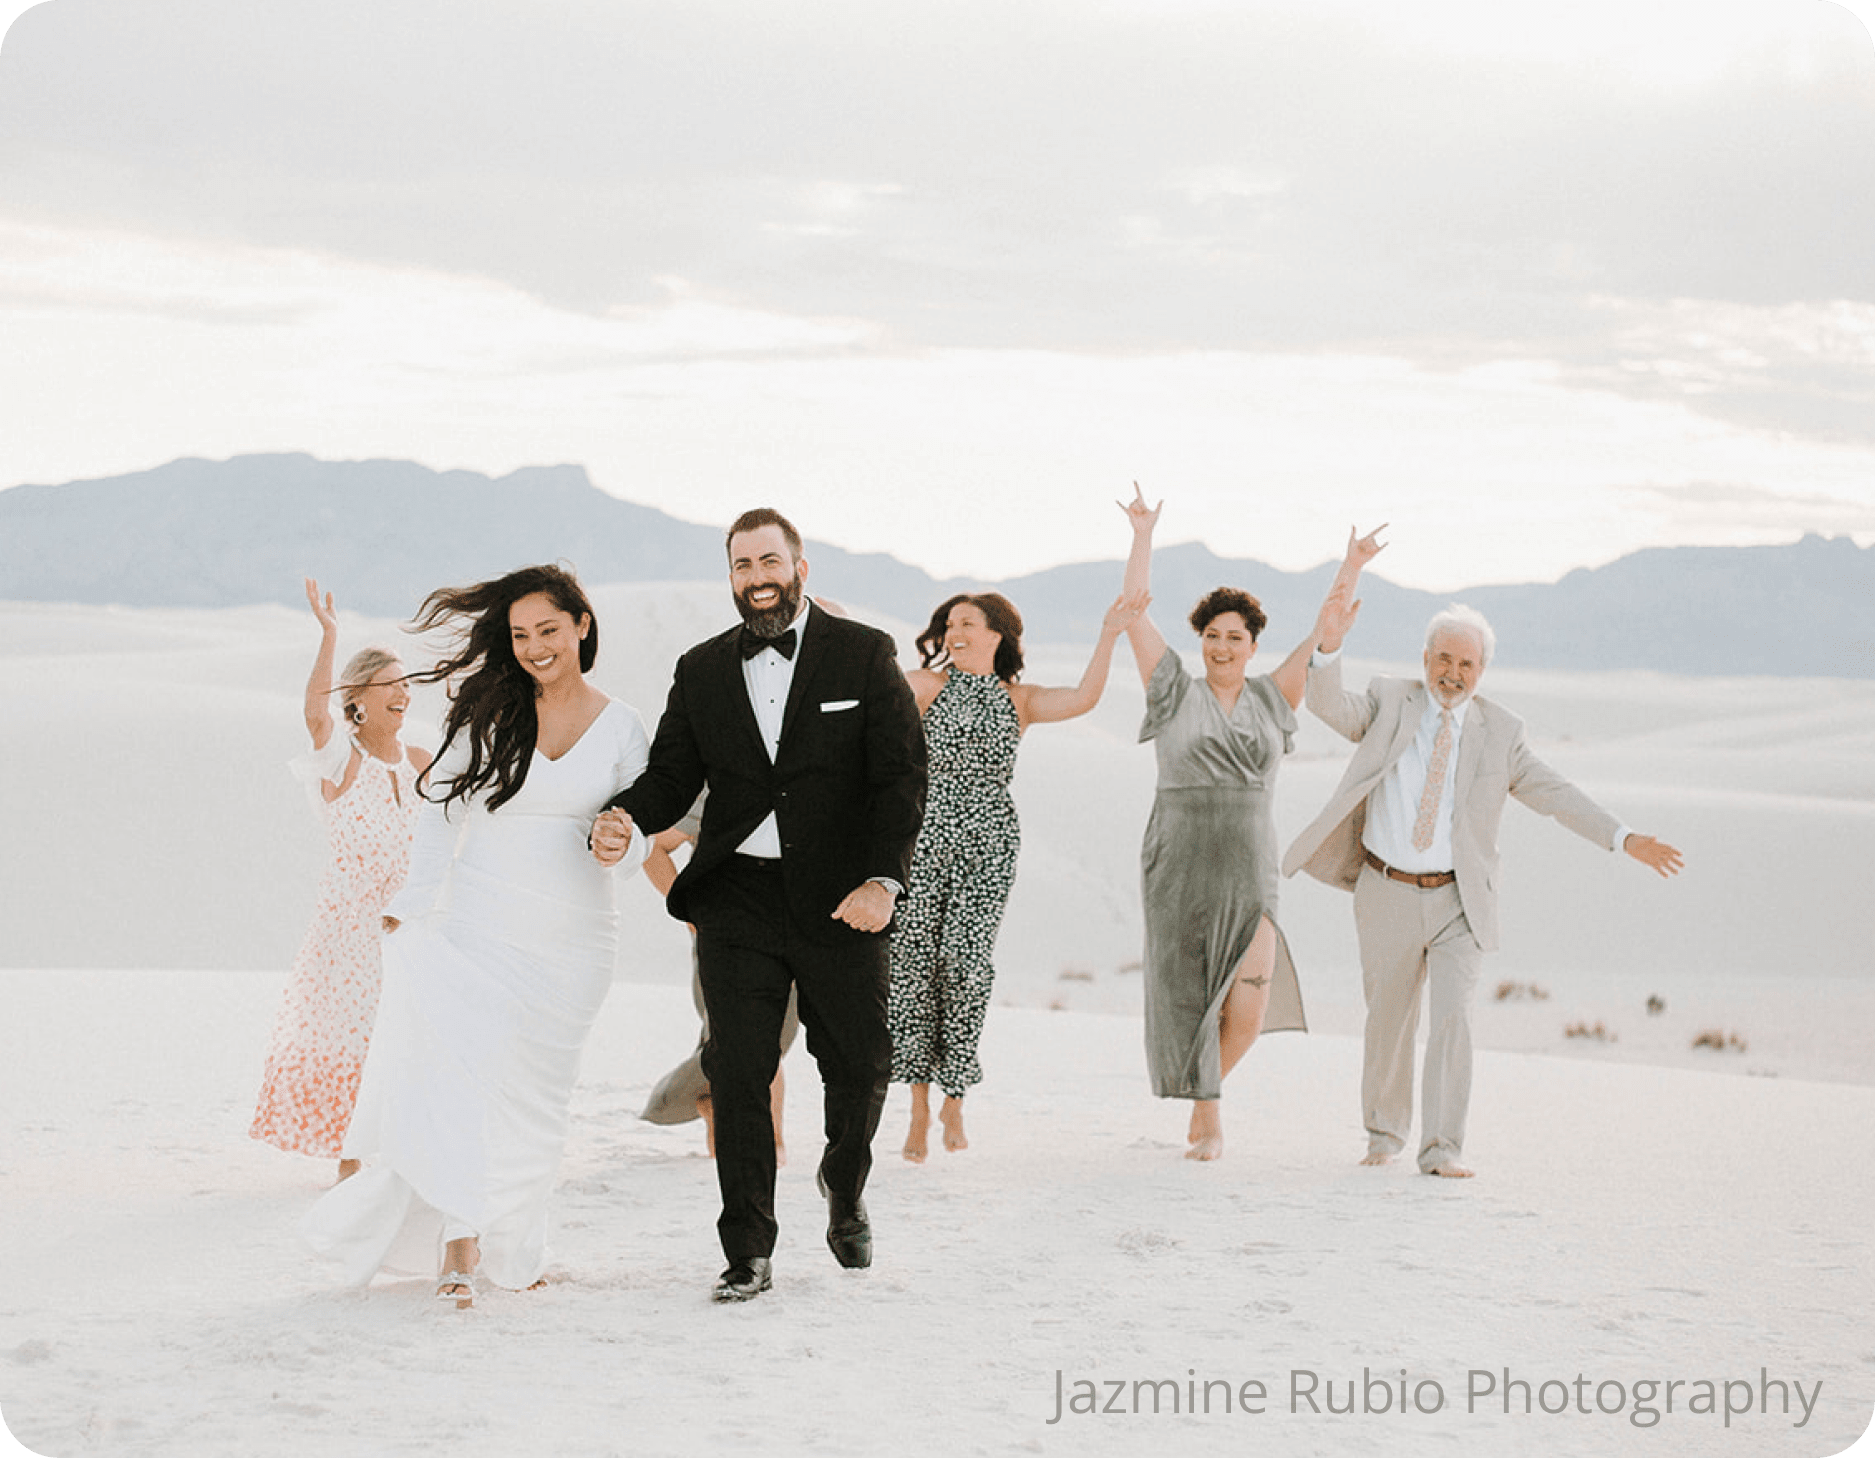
[[1466, 620], [363, 666]]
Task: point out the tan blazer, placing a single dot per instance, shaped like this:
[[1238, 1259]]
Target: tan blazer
[[1494, 761]]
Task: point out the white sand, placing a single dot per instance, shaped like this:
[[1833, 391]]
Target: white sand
[[1630, 1223], [1644, 1211]]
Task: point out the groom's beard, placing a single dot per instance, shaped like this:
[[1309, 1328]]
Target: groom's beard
[[772, 622]]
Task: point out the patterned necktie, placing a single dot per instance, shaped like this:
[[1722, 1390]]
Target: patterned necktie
[[1435, 783]]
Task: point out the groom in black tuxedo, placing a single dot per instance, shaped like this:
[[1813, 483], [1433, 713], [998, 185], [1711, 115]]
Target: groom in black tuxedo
[[805, 732]]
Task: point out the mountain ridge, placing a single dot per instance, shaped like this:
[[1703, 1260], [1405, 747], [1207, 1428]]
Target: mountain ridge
[[199, 533]]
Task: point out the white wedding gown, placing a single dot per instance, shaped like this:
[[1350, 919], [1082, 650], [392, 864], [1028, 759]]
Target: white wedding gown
[[491, 985]]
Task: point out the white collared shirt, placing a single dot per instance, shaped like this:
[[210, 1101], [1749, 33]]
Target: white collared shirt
[[768, 677], [1393, 804]]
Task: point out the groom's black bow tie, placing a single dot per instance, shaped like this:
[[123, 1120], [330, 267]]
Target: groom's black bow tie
[[753, 643]]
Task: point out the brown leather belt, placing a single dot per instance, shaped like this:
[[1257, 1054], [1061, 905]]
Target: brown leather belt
[[1425, 880]]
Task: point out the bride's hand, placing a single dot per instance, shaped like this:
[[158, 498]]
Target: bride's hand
[[611, 837]]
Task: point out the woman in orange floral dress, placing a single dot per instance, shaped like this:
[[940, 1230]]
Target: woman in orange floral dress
[[363, 782]]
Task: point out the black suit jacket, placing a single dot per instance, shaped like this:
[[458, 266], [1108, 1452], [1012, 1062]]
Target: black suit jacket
[[847, 784]]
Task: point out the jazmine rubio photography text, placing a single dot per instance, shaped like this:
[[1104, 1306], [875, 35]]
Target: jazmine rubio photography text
[[1642, 1402]]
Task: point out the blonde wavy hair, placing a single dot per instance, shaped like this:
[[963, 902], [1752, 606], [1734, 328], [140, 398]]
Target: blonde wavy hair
[[360, 669]]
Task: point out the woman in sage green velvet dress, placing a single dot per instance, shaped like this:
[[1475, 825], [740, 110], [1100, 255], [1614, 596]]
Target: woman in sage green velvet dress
[[1218, 972]]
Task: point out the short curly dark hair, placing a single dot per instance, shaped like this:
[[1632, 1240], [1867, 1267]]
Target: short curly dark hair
[[1221, 600]]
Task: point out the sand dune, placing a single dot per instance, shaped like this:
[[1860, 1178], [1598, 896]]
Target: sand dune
[[150, 824]]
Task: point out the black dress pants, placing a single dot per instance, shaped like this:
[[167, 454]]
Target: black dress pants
[[751, 950]]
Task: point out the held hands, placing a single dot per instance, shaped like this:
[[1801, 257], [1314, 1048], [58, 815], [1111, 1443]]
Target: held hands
[[1143, 517], [328, 619], [1336, 618], [611, 837], [1656, 854], [1124, 612], [867, 908]]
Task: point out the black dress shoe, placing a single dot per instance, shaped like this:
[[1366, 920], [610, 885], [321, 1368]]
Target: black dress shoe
[[744, 1280], [849, 1232]]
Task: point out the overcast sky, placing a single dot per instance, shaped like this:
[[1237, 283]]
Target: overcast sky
[[1541, 284]]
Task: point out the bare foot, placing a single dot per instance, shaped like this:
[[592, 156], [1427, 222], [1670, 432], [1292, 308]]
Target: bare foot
[[1377, 1156], [1207, 1130], [951, 1116], [348, 1168], [916, 1148], [460, 1258], [1451, 1171]]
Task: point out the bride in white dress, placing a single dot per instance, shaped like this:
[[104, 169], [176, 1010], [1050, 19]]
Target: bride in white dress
[[500, 950]]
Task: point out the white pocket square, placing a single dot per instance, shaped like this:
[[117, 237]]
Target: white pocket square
[[833, 706]]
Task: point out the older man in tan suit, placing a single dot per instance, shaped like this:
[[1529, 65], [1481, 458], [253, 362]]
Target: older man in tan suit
[[1412, 831]]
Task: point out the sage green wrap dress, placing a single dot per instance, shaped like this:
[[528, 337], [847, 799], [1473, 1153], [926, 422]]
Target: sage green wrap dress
[[1208, 868]]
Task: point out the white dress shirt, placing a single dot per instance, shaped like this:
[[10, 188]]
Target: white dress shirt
[[1393, 804], [768, 677]]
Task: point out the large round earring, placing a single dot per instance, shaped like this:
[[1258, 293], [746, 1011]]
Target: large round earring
[[355, 712]]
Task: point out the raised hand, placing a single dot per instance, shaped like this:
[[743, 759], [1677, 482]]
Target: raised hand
[[328, 619], [1362, 550], [1143, 517], [1340, 608]]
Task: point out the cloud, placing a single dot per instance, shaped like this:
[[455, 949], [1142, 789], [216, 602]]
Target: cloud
[[1800, 369], [1399, 258], [1729, 510], [977, 174]]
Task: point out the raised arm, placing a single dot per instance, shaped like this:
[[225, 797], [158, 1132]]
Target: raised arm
[[1148, 642], [319, 685], [1038, 705], [1340, 607], [1335, 617], [1291, 676]]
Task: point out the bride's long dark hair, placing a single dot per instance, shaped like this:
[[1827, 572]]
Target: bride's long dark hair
[[491, 697]]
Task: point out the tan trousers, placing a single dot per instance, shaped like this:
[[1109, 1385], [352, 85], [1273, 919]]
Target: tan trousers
[[1411, 937]]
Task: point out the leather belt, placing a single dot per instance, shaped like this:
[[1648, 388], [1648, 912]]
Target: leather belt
[[1425, 880]]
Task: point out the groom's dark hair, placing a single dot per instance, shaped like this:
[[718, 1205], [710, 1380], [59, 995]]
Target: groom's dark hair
[[760, 517]]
